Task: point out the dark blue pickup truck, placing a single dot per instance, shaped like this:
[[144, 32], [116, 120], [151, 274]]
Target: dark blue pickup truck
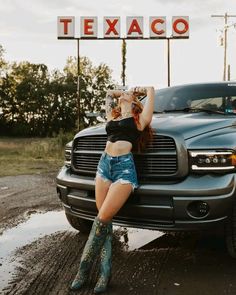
[[187, 174]]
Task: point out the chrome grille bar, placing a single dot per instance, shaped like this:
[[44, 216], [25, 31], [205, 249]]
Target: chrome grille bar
[[158, 159]]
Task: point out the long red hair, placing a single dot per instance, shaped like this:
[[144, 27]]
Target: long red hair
[[147, 133]]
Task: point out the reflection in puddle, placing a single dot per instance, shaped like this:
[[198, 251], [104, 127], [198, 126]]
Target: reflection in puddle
[[37, 226], [134, 238]]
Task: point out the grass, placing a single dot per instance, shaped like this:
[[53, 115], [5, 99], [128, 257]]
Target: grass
[[30, 155]]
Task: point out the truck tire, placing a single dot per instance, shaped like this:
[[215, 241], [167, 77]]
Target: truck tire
[[82, 225], [230, 233]]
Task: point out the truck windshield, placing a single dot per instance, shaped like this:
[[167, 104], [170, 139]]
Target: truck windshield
[[212, 97]]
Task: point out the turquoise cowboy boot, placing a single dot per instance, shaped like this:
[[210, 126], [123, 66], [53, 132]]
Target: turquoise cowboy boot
[[92, 248], [105, 264]]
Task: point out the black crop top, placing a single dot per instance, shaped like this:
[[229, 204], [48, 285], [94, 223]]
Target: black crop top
[[124, 129]]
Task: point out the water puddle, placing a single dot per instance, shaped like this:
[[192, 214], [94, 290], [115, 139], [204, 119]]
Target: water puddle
[[37, 226], [41, 224], [136, 238]]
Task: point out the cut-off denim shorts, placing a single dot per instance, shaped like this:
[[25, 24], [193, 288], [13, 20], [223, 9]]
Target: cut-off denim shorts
[[118, 169]]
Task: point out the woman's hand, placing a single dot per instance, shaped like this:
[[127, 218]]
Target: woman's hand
[[138, 91], [142, 90], [120, 95], [111, 102], [115, 93]]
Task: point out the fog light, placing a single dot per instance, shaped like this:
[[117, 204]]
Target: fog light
[[198, 209]]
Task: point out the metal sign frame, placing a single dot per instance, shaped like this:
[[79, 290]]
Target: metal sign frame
[[71, 31]]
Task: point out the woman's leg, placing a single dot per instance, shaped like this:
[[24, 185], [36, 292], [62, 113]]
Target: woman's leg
[[101, 189], [117, 195], [115, 198], [96, 238], [105, 263], [93, 246]]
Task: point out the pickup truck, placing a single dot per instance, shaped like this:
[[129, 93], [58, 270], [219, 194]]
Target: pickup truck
[[187, 173]]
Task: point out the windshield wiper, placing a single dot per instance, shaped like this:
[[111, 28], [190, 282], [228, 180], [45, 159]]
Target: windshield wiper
[[195, 109]]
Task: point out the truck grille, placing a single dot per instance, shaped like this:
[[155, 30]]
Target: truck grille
[[158, 160]]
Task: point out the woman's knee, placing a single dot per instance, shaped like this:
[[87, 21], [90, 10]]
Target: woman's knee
[[104, 216]]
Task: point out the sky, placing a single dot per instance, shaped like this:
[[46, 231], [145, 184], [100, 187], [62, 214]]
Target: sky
[[28, 31]]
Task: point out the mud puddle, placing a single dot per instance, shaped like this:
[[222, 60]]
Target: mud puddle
[[37, 226], [44, 224]]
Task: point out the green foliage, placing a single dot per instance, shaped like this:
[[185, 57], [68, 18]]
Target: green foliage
[[36, 102], [24, 99], [93, 84], [3, 63], [29, 155], [62, 138]]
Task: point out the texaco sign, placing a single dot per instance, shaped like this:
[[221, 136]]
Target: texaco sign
[[111, 27]]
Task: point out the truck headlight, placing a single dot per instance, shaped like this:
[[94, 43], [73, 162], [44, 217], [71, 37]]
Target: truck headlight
[[213, 160], [68, 156]]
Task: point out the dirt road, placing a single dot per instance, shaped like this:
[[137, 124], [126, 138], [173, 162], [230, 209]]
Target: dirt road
[[171, 264], [22, 195]]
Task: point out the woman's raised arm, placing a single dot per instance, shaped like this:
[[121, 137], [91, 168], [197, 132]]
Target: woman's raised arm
[[145, 117], [110, 103]]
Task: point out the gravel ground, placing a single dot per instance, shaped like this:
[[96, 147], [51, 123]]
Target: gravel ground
[[22, 195]]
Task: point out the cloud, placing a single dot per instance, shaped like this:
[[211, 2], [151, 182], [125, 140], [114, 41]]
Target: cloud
[[30, 32], [199, 6]]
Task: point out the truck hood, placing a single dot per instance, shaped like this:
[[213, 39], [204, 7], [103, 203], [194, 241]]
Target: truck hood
[[191, 124], [187, 124]]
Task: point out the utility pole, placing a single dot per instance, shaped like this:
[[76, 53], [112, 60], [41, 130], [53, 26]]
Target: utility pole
[[229, 73], [78, 86], [123, 52], [225, 16], [168, 60]]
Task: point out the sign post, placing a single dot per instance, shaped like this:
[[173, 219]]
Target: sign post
[[78, 84], [168, 62], [111, 31]]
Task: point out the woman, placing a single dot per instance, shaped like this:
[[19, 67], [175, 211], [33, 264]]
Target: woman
[[127, 127]]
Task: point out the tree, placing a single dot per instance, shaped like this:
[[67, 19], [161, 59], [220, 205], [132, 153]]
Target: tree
[[3, 63], [24, 98], [38, 103], [94, 82], [3, 69]]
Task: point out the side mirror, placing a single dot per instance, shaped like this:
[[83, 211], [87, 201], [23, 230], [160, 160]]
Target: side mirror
[[99, 115]]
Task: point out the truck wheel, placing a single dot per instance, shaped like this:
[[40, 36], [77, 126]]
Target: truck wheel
[[230, 233], [83, 225]]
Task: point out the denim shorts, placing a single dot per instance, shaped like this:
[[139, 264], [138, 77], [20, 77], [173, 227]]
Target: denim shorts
[[118, 169]]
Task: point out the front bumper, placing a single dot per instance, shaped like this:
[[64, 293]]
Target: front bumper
[[154, 206]]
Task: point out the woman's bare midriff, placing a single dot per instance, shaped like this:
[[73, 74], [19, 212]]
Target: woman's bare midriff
[[118, 148]]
